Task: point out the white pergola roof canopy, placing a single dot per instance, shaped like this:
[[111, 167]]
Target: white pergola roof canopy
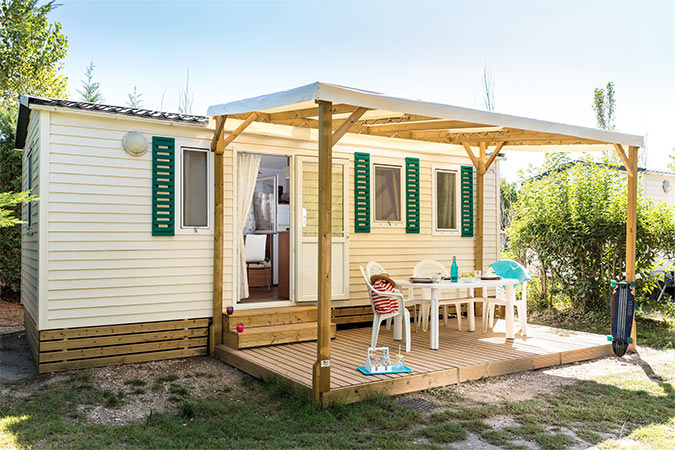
[[393, 117]]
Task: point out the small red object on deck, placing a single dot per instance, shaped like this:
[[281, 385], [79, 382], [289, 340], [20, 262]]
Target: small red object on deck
[[240, 327]]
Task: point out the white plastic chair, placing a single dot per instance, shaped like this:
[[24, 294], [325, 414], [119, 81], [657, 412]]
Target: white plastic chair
[[378, 318], [255, 254], [500, 299], [429, 268], [373, 268]]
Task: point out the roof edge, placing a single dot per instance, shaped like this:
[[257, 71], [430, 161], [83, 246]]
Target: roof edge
[[262, 102], [367, 99], [27, 102]]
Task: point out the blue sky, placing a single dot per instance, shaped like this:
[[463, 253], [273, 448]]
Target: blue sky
[[546, 56]]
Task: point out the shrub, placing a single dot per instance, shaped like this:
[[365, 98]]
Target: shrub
[[571, 224]]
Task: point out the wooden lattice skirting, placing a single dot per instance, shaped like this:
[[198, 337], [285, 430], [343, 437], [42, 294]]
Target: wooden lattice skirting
[[75, 348]]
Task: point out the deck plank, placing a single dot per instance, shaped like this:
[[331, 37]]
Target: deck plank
[[462, 356]]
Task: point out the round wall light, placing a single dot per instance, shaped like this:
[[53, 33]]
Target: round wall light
[[135, 143], [667, 186]]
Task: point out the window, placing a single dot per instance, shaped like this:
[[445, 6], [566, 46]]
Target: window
[[387, 193], [195, 176], [445, 192], [29, 187]]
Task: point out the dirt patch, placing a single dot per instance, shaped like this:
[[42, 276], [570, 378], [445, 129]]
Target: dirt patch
[[527, 385], [11, 317], [157, 386]]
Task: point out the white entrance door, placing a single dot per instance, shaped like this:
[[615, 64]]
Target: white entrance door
[[307, 199]]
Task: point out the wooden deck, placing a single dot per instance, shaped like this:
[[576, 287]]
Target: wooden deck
[[462, 356]]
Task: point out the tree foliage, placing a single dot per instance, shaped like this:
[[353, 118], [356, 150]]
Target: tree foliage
[[508, 195], [91, 90], [134, 99], [9, 201], [604, 106], [571, 223], [31, 52], [10, 181], [671, 163]]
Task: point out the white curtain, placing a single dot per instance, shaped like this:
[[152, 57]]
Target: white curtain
[[247, 174]]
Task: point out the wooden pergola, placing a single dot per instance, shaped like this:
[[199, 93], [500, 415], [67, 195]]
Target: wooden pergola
[[336, 110]]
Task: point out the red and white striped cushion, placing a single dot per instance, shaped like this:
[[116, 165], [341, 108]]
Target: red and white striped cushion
[[384, 304]]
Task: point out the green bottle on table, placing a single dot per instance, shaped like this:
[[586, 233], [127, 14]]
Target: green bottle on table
[[454, 270]]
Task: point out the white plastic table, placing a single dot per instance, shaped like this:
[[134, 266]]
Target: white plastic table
[[508, 283]]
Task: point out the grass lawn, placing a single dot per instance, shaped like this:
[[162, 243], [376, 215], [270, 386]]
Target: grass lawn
[[629, 404], [637, 407]]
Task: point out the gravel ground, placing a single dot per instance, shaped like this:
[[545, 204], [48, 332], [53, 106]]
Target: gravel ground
[[526, 385], [147, 387], [201, 377]]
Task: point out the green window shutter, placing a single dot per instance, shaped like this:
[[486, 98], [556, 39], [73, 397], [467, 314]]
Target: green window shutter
[[466, 180], [412, 195], [362, 192], [163, 185]]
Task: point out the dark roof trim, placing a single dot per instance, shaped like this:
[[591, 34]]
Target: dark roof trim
[[22, 124], [26, 101]]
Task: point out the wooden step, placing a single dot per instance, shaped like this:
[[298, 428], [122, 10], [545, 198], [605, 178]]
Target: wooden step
[[265, 317], [272, 335]]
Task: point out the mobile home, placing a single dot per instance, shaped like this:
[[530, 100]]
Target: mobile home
[[159, 235], [100, 257]]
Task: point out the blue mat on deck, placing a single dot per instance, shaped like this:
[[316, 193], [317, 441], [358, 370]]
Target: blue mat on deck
[[405, 369]]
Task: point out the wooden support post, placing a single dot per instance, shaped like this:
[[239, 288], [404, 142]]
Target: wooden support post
[[321, 372], [480, 192], [631, 226], [216, 335]]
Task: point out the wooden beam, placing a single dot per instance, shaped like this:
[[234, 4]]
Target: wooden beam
[[476, 161], [309, 112], [220, 148], [216, 335], [631, 229], [630, 169], [493, 156], [321, 372], [220, 123], [433, 124], [347, 124], [511, 135], [396, 119]]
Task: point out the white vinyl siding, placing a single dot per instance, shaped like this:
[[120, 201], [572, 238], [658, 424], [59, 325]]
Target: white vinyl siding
[[30, 238], [105, 267], [653, 187], [391, 246]]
